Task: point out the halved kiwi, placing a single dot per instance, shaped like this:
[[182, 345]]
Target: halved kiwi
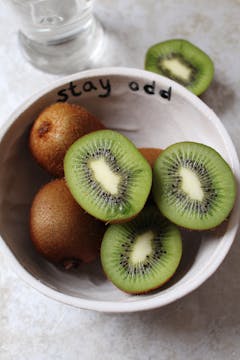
[[183, 62], [60, 229], [107, 175], [193, 186], [143, 254], [55, 129]]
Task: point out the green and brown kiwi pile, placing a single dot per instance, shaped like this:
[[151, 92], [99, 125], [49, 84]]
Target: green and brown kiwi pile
[[125, 205], [102, 206]]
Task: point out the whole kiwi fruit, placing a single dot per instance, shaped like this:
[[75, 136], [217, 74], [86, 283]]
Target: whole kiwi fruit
[[60, 229], [55, 129]]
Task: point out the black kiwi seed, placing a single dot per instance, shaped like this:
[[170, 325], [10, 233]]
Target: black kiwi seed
[[142, 254], [107, 175], [164, 69], [200, 193], [183, 62]]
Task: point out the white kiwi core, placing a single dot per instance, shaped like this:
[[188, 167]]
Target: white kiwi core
[[191, 184], [177, 68], [103, 174], [142, 247]]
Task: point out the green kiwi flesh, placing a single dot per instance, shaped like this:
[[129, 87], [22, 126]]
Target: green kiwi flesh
[[193, 186], [183, 62], [143, 254], [107, 175]]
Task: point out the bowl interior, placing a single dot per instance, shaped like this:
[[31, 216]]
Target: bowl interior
[[152, 112]]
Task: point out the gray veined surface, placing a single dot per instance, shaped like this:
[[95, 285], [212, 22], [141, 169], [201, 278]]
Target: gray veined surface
[[203, 325]]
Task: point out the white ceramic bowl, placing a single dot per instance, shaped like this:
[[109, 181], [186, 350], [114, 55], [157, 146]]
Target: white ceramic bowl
[[152, 111]]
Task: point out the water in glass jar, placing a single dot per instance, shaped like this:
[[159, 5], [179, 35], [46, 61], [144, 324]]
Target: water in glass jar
[[52, 20], [59, 36]]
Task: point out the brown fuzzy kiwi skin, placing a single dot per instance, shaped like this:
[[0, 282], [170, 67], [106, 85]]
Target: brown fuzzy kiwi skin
[[60, 229], [55, 129], [150, 154]]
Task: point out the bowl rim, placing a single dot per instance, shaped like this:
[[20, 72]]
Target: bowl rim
[[217, 257]]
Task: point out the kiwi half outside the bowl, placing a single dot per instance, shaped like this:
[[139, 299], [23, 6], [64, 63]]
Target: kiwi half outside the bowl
[[108, 176], [193, 186], [143, 254], [180, 60]]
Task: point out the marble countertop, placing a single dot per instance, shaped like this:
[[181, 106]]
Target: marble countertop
[[204, 324]]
